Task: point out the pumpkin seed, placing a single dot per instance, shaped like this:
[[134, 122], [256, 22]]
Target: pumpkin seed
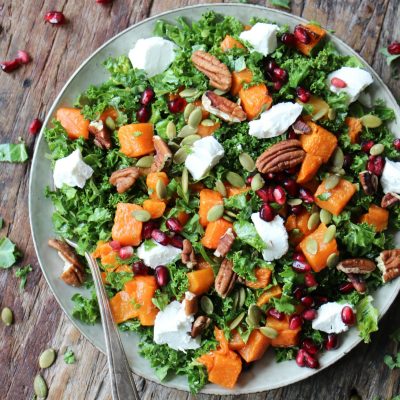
[[189, 92], [296, 233], [206, 305], [188, 110], [110, 124], [235, 179], [242, 297], [329, 234], [235, 300], [325, 217], [220, 92], [319, 114], [189, 140], [180, 156], [228, 218], [312, 246], [331, 114], [341, 172], [215, 213], [145, 162], [332, 260], [195, 117], [247, 162], [331, 182], [40, 387], [313, 221], [46, 359], [257, 182], [187, 130], [269, 332], [377, 149], [171, 130], [185, 180], [220, 188], [143, 215], [371, 121], [7, 316], [230, 214], [235, 323], [254, 315], [294, 202], [207, 122], [174, 147], [161, 189], [338, 158]]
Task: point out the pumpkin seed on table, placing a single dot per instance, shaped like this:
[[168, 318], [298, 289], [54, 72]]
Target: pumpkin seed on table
[[312, 246], [180, 156], [171, 130], [235, 179], [7, 316], [371, 121], [254, 315], [338, 158], [189, 140], [331, 182], [235, 323], [188, 110], [269, 332], [377, 149], [206, 305], [332, 260], [161, 189], [313, 221], [143, 215], [215, 212], [195, 117], [185, 180], [220, 188], [330, 234], [325, 216], [187, 130], [247, 162], [242, 297], [257, 182], [47, 358], [145, 162], [40, 387]]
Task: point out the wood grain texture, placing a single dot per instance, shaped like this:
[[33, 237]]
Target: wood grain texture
[[28, 93]]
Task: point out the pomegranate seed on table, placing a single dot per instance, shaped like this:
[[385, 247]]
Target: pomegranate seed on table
[[299, 266], [366, 146], [376, 164], [35, 126], [162, 275], [394, 48], [309, 315], [303, 94], [291, 186], [279, 195], [338, 83], [300, 358], [396, 144], [147, 96], [298, 292], [160, 237], [267, 212], [306, 195], [297, 210], [55, 17], [301, 34], [295, 322], [148, 228], [115, 245], [309, 279], [125, 252], [348, 316], [24, 57], [9, 66], [346, 287], [309, 346], [307, 301], [139, 268], [177, 241], [273, 312], [177, 105], [173, 225], [143, 114], [310, 361], [280, 74], [331, 341], [288, 39]]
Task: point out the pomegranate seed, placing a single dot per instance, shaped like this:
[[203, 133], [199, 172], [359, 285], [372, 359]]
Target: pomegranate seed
[[338, 83], [291, 186], [348, 316], [299, 257], [273, 312], [299, 266], [267, 212], [288, 39], [148, 228], [346, 287], [300, 358], [35, 126], [280, 74], [278, 86], [396, 144], [278, 176], [307, 301], [298, 292], [177, 241], [177, 105], [309, 346], [292, 134], [295, 322], [23, 56], [348, 160], [303, 94], [160, 237], [271, 65], [376, 164], [331, 342], [115, 245], [309, 315], [55, 17], [297, 210], [249, 179], [310, 361], [9, 66], [306, 195], [104, 1], [301, 34], [173, 225], [394, 48], [366, 146], [147, 96], [162, 275], [139, 268], [265, 194], [125, 252], [279, 195], [320, 300], [143, 114], [309, 279]]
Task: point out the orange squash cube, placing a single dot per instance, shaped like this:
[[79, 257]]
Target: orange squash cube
[[136, 140], [376, 216], [127, 229]]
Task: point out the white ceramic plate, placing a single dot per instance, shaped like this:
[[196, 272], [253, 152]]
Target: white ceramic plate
[[266, 374]]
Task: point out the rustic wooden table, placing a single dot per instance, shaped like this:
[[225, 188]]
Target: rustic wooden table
[[365, 25]]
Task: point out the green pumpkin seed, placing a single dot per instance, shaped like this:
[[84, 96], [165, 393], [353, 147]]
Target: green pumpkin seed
[[235, 323], [7, 316], [377, 149], [257, 182], [189, 140], [254, 315], [235, 179], [269, 332], [110, 123], [313, 221], [180, 156], [145, 162], [296, 233], [40, 387], [247, 162], [161, 189], [312, 246], [228, 218], [235, 298], [242, 297], [331, 182], [332, 260], [331, 114], [143, 215], [185, 180], [174, 147], [294, 202], [220, 188], [187, 130], [46, 359], [189, 92], [230, 214], [330, 234], [188, 110], [325, 217], [206, 305], [338, 158], [219, 92], [371, 121], [195, 117], [171, 130], [207, 122], [215, 213]]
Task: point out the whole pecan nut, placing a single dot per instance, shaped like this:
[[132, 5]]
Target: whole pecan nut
[[123, 179], [222, 107], [283, 155], [163, 154], [225, 243], [389, 263], [218, 73], [225, 279], [191, 303], [187, 256], [356, 266], [301, 128], [200, 325], [102, 136], [389, 199], [369, 182]]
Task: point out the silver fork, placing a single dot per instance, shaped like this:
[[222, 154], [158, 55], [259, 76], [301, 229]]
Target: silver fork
[[122, 384]]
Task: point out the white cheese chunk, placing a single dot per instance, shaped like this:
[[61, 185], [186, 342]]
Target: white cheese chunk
[[205, 154], [156, 254], [154, 55], [356, 79], [274, 235], [71, 171], [98, 125], [262, 37], [275, 121], [390, 179], [329, 318], [172, 327]]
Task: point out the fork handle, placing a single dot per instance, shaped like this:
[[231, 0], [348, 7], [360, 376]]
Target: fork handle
[[122, 384]]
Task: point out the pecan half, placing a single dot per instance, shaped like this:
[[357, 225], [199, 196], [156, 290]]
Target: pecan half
[[163, 154], [356, 266], [301, 128], [218, 73], [283, 155], [191, 303], [389, 263], [225, 243], [74, 270], [123, 179], [222, 107], [369, 182], [389, 199], [187, 256], [200, 325], [358, 282], [226, 278], [102, 136]]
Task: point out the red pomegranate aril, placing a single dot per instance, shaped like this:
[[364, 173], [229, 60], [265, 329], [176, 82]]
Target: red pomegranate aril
[[348, 160], [309, 315], [177, 105], [366, 146], [307, 301], [147, 96], [300, 358], [115, 245], [148, 228], [24, 57], [299, 257], [265, 194], [394, 48], [55, 17], [309, 346], [273, 312], [310, 361], [162, 275], [291, 186], [174, 225], [288, 39], [104, 1], [376, 164], [302, 35], [249, 179], [297, 210], [309, 280], [139, 268], [10, 66], [279, 195], [298, 292], [331, 341], [271, 65], [303, 94], [348, 316], [346, 287], [320, 300], [292, 135], [280, 74], [306, 195], [177, 241], [160, 237], [125, 252], [267, 212], [295, 322], [35, 126], [278, 86], [143, 114], [396, 144], [338, 83], [301, 267]]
